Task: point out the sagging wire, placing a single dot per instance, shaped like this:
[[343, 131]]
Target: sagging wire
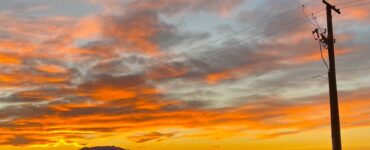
[[315, 19], [308, 19], [321, 38], [322, 56]]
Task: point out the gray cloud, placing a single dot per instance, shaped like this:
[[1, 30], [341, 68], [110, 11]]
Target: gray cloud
[[22, 141], [150, 137]]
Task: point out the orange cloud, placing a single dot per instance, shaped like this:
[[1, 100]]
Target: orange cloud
[[20, 78], [316, 56], [260, 115], [216, 77], [355, 14], [7, 78], [230, 74], [7, 59], [110, 93], [86, 28], [51, 68], [17, 46]]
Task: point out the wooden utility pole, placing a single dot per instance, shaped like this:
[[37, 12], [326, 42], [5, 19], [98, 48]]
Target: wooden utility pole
[[334, 108]]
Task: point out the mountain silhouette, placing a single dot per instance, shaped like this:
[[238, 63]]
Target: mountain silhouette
[[103, 148]]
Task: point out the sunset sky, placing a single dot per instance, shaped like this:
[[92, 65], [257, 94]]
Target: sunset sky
[[180, 74]]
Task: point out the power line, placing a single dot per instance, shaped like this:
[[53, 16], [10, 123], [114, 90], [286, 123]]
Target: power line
[[294, 82], [305, 15], [240, 44], [348, 4], [286, 27], [265, 20], [320, 45], [322, 56], [352, 69], [249, 27], [296, 22]]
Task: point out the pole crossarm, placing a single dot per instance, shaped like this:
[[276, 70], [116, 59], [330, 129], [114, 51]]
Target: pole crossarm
[[331, 6]]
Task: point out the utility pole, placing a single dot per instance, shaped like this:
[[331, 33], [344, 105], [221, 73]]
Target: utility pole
[[334, 109]]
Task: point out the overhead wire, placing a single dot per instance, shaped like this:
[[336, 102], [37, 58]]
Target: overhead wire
[[248, 39], [352, 69], [242, 30], [318, 27], [320, 45], [131, 83], [249, 27], [295, 82], [245, 40], [305, 15], [322, 56], [347, 4], [285, 27], [187, 53]]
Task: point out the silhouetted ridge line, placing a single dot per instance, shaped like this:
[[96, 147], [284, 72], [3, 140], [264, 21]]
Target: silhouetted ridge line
[[103, 148]]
